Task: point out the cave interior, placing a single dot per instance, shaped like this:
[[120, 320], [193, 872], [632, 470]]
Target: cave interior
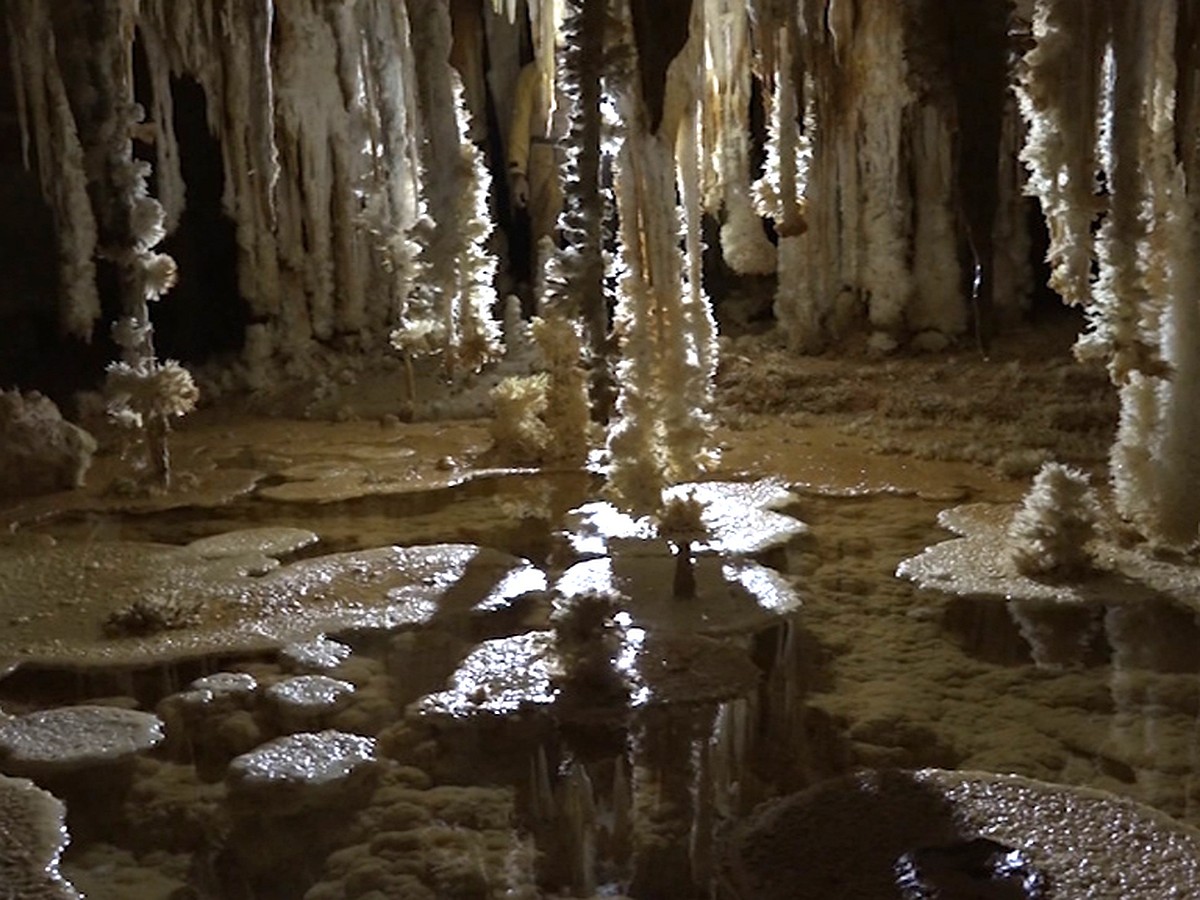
[[638, 449]]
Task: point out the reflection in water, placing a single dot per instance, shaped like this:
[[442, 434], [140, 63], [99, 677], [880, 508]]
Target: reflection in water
[[1154, 635], [979, 869], [486, 753], [1156, 696]]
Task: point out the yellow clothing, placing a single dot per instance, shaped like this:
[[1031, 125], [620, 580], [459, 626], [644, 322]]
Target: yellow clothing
[[530, 119], [545, 191], [532, 146]]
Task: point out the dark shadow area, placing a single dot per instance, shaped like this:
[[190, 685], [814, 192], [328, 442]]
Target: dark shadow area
[[841, 838], [204, 315]]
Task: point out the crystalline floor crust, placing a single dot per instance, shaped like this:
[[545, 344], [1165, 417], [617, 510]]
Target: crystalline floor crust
[[429, 556]]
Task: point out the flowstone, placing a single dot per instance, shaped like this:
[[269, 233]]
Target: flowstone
[[979, 563], [57, 599]]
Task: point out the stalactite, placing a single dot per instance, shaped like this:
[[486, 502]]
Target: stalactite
[[978, 70], [1121, 302], [1142, 311], [1146, 308], [638, 471], [1060, 99], [688, 420], [459, 269], [854, 257], [886, 276], [727, 31], [142, 392], [322, 171], [663, 429], [575, 274], [1180, 446], [502, 33], [310, 111], [779, 192], [808, 269], [391, 213], [1013, 243], [637, 474], [227, 51], [937, 310], [172, 192], [49, 130]]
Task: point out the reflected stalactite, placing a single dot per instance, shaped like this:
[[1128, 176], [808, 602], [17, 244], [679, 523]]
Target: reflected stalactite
[[666, 811], [1146, 641]]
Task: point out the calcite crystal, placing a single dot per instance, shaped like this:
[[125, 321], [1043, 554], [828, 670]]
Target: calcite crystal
[[32, 838]]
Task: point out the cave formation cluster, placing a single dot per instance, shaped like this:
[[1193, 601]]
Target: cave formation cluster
[[877, 159]]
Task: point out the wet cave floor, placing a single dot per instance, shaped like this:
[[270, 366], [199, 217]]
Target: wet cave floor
[[570, 792]]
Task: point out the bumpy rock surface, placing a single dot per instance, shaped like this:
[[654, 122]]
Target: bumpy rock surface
[[301, 771], [849, 838], [75, 737], [32, 837], [40, 452]]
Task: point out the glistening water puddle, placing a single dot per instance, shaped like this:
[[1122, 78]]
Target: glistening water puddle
[[490, 768], [516, 513]]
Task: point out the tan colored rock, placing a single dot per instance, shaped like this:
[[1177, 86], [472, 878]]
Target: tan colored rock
[[301, 772], [70, 738], [211, 723], [306, 702], [321, 654], [32, 839], [273, 542], [40, 452], [56, 599]]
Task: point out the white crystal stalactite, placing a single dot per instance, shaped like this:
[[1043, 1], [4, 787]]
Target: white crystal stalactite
[[663, 429], [1118, 59], [727, 52], [1060, 99]]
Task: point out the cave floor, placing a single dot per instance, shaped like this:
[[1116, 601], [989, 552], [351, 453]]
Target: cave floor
[[870, 671]]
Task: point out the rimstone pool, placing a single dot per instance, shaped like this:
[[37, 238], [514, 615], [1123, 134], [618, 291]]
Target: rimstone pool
[[646, 449], [361, 659]]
